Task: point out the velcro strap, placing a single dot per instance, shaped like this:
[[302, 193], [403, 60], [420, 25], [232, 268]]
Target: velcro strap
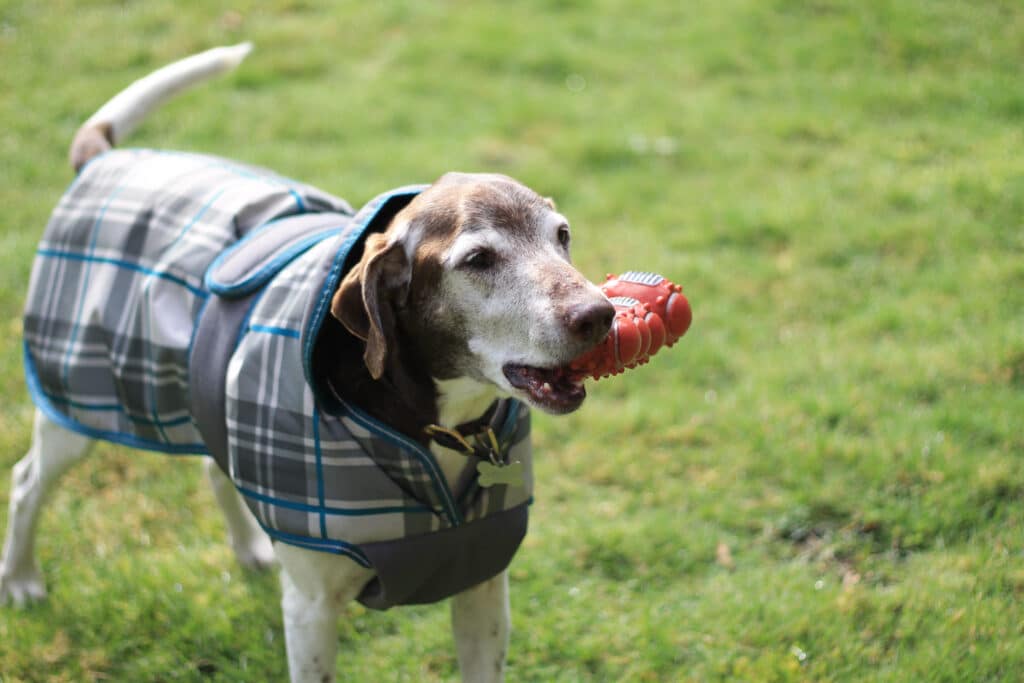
[[259, 256], [236, 277]]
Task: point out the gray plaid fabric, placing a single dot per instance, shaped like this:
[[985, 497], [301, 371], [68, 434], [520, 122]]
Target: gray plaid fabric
[[118, 282], [126, 264], [318, 472]]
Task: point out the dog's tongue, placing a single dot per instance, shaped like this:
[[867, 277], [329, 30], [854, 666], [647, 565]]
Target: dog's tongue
[[554, 389]]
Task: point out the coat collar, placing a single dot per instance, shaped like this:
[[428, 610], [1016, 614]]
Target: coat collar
[[375, 216]]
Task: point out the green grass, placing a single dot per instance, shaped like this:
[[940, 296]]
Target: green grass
[[822, 482]]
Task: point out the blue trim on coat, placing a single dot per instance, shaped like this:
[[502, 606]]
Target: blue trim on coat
[[259, 278], [280, 331], [422, 454], [321, 545], [512, 419], [44, 404], [354, 233], [121, 263], [115, 408], [341, 512]]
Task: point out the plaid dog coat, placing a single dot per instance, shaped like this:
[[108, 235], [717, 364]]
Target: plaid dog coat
[[174, 306]]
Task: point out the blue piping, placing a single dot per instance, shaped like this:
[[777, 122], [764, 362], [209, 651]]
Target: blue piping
[[425, 456], [341, 512], [326, 545], [72, 256], [281, 331], [353, 234], [41, 400], [115, 408], [250, 284]]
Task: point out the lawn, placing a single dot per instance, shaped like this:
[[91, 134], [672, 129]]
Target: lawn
[[822, 482]]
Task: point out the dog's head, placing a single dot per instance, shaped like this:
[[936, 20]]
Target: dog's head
[[473, 279]]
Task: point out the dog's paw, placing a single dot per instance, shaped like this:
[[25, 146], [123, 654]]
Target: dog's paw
[[257, 553], [23, 589]]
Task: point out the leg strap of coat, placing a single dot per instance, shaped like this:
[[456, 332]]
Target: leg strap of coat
[[236, 280]]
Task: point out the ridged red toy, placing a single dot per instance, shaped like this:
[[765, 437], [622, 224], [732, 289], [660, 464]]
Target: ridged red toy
[[650, 312]]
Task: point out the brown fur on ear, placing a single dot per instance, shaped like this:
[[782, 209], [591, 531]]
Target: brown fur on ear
[[347, 304], [364, 302]]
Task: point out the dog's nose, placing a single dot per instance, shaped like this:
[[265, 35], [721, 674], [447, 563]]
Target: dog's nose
[[590, 322]]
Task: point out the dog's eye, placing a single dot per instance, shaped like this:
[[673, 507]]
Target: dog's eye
[[481, 259], [563, 236]]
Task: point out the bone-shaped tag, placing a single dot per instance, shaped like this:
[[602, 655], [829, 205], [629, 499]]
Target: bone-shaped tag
[[491, 474]]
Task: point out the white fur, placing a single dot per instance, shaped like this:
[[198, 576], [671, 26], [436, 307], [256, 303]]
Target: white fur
[[315, 587], [481, 616], [409, 239], [499, 336], [130, 106], [481, 624]]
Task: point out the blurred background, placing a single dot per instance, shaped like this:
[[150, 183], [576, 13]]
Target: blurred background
[[821, 482]]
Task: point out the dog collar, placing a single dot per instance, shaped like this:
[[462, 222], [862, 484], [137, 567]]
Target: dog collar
[[482, 437], [488, 439]]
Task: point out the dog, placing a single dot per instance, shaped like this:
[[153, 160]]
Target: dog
[[438, 316]]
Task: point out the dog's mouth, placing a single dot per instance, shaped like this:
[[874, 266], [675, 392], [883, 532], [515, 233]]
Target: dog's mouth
[[552, 389]]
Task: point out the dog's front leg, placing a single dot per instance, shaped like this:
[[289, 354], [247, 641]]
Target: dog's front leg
[[481, 624], [316, 587]]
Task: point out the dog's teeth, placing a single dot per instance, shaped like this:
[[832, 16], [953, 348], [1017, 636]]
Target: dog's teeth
[[545, 388]]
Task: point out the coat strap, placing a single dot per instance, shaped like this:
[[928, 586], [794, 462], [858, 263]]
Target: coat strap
[[244, 272]]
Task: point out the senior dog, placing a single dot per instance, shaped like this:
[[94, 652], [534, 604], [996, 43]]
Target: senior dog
[[360, 381]]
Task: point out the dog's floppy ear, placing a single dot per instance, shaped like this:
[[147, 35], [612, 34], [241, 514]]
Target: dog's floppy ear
[[364, 303]]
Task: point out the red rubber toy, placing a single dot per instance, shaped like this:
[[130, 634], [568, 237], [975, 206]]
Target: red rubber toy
[[650, 312]]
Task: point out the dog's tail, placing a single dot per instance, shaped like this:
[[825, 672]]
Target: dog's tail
[[128, 108]]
